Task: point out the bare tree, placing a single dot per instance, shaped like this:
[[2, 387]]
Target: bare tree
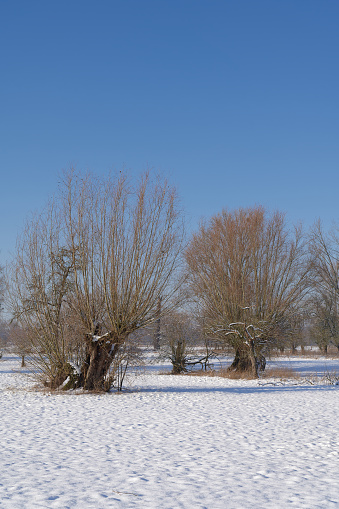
[[3, 326], [323, 323], [2, 286], [4, 333], [90, 270], [249, 275], [41, 283], [20, 342], [324, 299], [183, 343]]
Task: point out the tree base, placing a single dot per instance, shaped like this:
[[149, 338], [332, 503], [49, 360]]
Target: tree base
[[242, 363]]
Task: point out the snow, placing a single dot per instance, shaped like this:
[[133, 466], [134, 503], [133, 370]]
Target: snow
[[171, 442]]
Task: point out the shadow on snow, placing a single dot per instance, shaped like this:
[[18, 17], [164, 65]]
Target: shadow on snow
[[260, 389]]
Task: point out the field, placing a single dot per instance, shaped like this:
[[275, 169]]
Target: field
[[173, 441]]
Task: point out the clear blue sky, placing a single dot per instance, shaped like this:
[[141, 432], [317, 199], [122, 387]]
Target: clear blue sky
[[237, 101]]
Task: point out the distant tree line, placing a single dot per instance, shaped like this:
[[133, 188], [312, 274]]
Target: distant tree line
[[108, 258]]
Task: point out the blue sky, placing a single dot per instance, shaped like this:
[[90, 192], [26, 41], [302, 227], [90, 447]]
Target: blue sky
[[236, 101]]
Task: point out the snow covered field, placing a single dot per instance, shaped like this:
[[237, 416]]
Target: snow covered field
[[174, 442]]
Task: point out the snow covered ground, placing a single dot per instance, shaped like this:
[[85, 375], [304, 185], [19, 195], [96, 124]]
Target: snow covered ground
[[173, 442]]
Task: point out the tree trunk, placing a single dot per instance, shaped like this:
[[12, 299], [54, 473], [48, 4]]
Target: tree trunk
[[254, 360], [178, 358], [246, 361], [100, 355], [324, 349], [94, 371], [241, 362]]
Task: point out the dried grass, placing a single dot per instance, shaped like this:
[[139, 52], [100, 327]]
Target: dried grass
[[278, 372], [224, 373], [281, 373]]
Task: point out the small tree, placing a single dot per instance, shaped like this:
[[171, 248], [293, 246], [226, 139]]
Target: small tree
[[20, 342], [324, 297], [2, 287], [183, 343], [3, 328], [3, 335]]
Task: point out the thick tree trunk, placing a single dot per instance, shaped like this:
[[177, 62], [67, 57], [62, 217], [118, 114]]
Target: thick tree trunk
[[246, 361], [241, 361], [100, 355], [93, 375]]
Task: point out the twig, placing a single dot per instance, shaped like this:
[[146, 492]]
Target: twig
[[127, 493]]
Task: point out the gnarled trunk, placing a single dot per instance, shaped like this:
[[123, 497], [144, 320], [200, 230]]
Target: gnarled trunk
[[241, 361], [178, 358], [247, 361], [94, 370]]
